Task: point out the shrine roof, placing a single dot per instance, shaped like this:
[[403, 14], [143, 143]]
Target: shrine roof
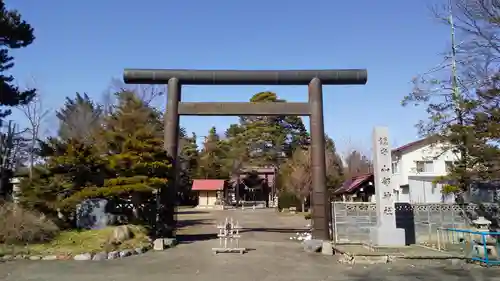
[[352, 184], [208, 185]]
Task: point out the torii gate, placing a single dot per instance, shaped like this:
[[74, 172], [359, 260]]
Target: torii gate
[[314, 108]]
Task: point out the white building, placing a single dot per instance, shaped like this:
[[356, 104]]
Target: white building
[[415, 166]]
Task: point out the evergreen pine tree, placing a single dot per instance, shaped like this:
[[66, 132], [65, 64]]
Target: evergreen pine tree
[[211, 157], [137, 165], [15, 33], [71, 168]]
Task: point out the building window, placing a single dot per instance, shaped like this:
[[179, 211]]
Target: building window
[[395, 167], [449, 165], [425, 166], [405, 189]]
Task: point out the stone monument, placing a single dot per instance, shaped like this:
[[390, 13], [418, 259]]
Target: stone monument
[[91, 214], [385, 234]]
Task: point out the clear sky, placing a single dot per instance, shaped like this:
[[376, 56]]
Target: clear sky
[[82, 45]]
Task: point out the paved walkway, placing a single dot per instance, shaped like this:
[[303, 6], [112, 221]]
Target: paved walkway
[[274, 258]]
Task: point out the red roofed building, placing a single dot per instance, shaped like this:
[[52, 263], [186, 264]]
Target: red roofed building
[[356, 189], [210, 192]]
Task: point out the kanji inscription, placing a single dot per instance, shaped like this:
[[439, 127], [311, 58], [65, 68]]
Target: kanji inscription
[[383, 177]]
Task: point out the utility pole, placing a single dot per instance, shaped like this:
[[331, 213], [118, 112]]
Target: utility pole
[[454, 77], [457, 100]]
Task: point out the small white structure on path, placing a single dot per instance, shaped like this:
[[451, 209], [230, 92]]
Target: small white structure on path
[[210, 192], [229, 237]]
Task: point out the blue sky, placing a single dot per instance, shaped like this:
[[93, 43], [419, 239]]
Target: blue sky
[[82, 45]]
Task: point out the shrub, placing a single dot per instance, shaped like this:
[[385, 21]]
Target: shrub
[[21, 226], [287, 200]]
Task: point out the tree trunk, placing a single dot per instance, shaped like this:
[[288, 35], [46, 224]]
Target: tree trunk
[[136, 205], [135, 213], [32, 152]]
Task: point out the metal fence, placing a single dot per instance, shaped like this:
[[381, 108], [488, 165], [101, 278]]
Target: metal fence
[[479, 246], [352, 220]]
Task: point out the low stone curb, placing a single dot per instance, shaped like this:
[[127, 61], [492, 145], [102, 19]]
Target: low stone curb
[[377, 259], [81, 257], [351, 260]]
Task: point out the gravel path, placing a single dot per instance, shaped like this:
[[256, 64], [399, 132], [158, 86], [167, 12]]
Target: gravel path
[[273, 258]]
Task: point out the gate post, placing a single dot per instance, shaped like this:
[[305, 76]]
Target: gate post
[[320, 221], [168, 195]]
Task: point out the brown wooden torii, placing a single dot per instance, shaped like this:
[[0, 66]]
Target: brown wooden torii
[[314, 108]]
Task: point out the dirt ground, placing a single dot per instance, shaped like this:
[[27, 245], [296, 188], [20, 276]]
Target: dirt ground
[[273, 257]]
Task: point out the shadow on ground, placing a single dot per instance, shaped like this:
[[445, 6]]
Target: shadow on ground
[[184, 237], [190, 212], [273, 230], [192, 222], [190, 238], [193, 230]]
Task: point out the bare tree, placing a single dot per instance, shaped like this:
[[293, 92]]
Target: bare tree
[[12, 156], [147, 93], [469, 62], [35, 114], [299, 173], [449, 90], [107, 102], [299, 179], [80, 118], [476, 47], [356, 159]]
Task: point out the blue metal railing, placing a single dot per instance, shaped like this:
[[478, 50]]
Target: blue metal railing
[[479, 246]]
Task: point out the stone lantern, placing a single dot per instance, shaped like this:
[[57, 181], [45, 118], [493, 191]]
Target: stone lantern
[[489, 243]]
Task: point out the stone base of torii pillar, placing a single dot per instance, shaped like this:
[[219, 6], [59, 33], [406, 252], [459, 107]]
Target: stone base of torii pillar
[[382, 236], [385, 234]]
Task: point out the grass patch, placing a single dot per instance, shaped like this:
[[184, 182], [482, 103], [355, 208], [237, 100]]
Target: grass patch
[[79, 241]]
